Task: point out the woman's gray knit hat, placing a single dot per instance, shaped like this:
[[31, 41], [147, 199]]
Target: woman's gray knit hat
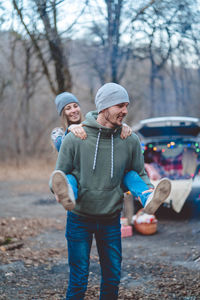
[[110, 94], [63, 99]]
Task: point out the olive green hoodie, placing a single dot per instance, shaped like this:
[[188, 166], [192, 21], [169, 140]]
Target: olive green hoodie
[[99, 164]]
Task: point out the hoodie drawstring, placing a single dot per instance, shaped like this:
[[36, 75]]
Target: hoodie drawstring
[[96, 150], [111, 175]]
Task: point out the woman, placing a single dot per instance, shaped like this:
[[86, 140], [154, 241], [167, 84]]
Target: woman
[[68, 108]]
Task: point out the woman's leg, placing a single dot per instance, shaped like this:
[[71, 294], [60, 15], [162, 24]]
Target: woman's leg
[[150, 199], [73, 183], [62, 189], [137, 186]]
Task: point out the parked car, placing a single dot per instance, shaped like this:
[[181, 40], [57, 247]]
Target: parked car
[[171, 147]]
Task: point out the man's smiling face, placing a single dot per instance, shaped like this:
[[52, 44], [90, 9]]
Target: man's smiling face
[[115, 114]]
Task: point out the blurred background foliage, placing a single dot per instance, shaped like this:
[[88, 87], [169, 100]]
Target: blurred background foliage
[[151, 47]]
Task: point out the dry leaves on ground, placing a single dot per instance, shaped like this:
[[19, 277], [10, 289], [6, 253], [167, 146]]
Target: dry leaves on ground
[[15, 245]]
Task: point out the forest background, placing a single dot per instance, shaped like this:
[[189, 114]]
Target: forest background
[[151, 47]]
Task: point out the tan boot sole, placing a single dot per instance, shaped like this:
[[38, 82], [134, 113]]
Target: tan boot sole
[[60, 187], [161, 193]]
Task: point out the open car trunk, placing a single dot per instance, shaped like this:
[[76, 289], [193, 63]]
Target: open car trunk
[[171, 147], [179, 165]]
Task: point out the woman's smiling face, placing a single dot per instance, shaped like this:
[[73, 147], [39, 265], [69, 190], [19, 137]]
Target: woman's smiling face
[[73, 113]]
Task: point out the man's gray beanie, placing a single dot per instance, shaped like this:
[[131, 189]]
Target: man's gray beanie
[[64, 99], [110, 94]]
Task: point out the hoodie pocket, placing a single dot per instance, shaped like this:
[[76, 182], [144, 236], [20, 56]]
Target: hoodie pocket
[[99, 202]]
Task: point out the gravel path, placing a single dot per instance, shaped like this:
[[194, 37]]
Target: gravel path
[[33, 252]]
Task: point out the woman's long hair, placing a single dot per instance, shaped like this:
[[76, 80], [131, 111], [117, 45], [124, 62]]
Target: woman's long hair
[[65, 123]]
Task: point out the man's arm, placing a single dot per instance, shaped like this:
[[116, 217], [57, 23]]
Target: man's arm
[[65, 156]]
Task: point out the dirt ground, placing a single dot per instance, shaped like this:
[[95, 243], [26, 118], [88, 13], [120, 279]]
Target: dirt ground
[[33, 251]]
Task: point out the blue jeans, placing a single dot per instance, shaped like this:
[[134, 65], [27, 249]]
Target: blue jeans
[[79, 234], [132, 182]]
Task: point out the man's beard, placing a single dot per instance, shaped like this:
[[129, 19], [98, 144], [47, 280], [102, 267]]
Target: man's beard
[[115, 124]]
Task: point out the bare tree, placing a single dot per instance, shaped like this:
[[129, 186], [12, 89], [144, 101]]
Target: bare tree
[[4, 83], [110, 52], [165, 33], [43, 32], [25, 70]]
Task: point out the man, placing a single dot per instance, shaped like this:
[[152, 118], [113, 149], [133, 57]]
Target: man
[[99, 164]]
